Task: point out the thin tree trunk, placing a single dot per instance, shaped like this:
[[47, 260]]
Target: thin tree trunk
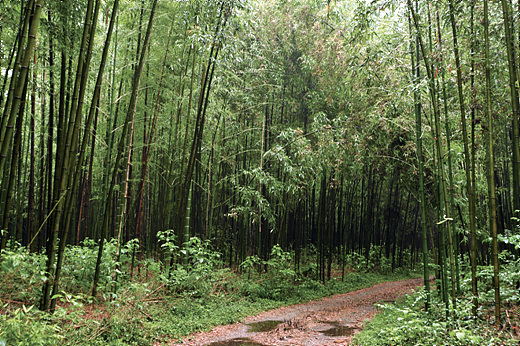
[[6, 133], [515, 106], [207, 79], [69, 177], [418, 140], [491, 170], [444, 192], [50, 141], [32, 158], [469, 185], [262, 141]]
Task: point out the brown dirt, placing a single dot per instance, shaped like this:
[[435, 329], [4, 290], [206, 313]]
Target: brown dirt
[[306, 324]]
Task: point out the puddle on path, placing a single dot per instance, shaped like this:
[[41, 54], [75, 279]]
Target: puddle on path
[[236, 342], [339, 330], [262, 327]]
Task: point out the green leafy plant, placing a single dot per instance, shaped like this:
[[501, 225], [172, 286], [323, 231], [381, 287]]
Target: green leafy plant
[[276, 279], [356, 261], [196, 277], [21, 274], [167, 240], [376, 261], [280, 264], [252, 264], [408, 323], [79, 265], [25, 326]]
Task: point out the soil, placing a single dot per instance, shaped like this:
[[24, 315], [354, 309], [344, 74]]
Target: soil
[[330, 321]]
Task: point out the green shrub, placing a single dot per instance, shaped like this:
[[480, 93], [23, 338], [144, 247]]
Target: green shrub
[[195, 277], [25, 326], [278, 279], [80, 263], [376, 261], [21, 274], [407, 323]]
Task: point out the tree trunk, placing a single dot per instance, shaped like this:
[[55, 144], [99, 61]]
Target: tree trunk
[[418, 140], [491, 169], [469, 185]]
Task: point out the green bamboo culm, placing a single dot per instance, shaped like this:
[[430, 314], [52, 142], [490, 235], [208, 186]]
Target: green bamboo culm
[[187, 227], [491, 169], [10, 114], [64, 167], [15, 99], [447, 219], [469, 182], [73, 179], [418, 137], [121, 145]]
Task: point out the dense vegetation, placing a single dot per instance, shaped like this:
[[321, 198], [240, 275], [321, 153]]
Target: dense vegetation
[[144, 144], [161, 305]]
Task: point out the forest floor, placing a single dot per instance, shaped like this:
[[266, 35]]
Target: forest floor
[[330, 321]]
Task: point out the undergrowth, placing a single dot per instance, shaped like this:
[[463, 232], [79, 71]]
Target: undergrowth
[[164, 300], [408, 323]]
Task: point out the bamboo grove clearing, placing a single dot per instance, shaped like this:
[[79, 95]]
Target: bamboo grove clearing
[[374, 133]]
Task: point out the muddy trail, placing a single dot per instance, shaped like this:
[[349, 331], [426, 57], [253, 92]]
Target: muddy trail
[[330, 321]]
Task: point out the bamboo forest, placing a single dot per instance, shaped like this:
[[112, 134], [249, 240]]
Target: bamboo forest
[[175, 171]]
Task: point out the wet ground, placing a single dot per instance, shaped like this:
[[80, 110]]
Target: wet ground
[[330, 321]]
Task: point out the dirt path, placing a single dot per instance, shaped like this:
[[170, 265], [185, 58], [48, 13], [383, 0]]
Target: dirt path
[[330, 321]]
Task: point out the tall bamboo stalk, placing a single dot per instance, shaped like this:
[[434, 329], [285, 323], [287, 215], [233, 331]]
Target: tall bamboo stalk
[[70, 138], [447, 220], [491, 169], [74, 179], [16, 96], [467, 161], [129, 115], [515, 103], [418, 140]]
